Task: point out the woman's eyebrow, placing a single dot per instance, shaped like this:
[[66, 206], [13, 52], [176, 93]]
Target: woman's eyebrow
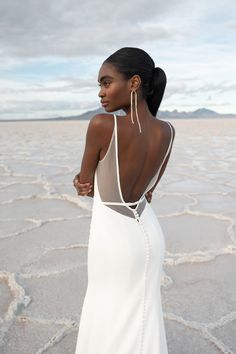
[[105, 77]]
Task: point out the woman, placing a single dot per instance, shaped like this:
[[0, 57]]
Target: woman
[[124, 158]]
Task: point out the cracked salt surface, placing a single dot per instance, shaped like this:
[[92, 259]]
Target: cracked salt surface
[[45, 228]]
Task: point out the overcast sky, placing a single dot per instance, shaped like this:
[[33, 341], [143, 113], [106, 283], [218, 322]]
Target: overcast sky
[[51, 52]]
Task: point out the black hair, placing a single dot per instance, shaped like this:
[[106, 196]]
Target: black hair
[[130, 61]]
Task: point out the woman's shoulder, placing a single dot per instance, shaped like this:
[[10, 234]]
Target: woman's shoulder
[[102, 124], [102, 117], [165, 128]]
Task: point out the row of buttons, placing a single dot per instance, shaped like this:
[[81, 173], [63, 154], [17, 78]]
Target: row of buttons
[[136, 215]]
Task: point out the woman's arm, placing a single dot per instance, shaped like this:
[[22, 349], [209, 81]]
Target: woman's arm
[[91, 154]]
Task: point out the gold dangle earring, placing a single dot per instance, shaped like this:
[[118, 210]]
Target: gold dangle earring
[[136, 107], [131, 104]]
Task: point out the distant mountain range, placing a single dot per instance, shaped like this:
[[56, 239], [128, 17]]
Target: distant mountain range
[[175, 114], [199, 113]]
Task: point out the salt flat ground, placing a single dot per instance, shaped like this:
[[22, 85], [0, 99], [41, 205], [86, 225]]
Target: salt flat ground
[[45, 228]]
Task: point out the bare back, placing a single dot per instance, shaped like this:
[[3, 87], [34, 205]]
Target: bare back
[[139, 155]]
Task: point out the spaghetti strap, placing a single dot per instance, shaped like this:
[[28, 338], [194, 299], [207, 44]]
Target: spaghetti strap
[[156, 176], [117, 162], [172, 134], [115, 124]]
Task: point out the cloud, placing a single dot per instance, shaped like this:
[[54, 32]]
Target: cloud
[[14, 109], [14, 106], [51, 51], [74, 28], [71, 85]]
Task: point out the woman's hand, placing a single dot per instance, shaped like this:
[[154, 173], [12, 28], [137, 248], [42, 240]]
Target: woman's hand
[[82, 188], [86, 188], [148, 196]]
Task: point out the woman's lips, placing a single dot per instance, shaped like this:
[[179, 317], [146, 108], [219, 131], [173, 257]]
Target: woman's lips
[[104, 104]]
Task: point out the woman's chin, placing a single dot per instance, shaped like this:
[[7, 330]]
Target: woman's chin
[[107, 109]]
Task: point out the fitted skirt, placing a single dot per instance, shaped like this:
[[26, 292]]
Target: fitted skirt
[[122, 309]]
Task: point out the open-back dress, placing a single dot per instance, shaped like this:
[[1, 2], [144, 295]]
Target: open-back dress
[[122, 309]]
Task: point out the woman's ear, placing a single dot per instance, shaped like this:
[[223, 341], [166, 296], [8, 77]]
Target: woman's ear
[[135, 82]]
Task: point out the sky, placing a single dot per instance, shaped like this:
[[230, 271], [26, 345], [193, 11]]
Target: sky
[[51, 52]]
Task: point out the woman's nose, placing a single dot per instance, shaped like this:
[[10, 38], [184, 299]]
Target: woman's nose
[[101, 92]]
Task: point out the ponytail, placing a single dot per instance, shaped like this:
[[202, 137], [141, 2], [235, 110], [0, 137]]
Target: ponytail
[[158, 84]]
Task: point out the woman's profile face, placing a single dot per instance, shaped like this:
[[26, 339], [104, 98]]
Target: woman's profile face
[[114, 88]]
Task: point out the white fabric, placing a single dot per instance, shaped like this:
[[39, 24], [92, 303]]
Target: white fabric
[[122, 309]]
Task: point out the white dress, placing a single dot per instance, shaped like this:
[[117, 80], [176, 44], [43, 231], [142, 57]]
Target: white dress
[[122, 309]]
